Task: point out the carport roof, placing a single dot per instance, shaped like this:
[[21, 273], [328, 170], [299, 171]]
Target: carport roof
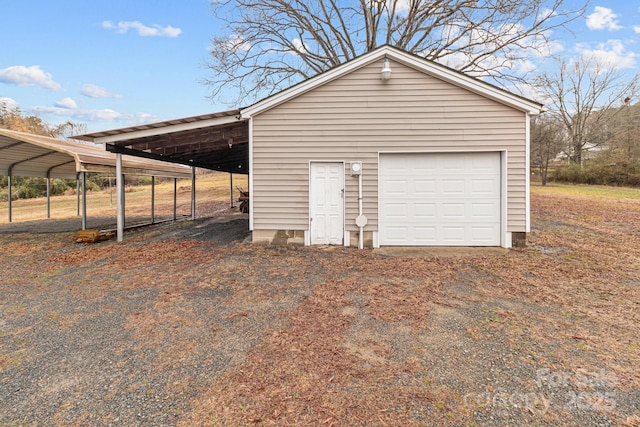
[[216, 141], [25, 154]]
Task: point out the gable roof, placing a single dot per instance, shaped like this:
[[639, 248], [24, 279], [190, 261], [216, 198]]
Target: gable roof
[[25, 154], [421, 64]]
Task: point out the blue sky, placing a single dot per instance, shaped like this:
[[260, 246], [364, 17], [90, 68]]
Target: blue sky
[[116, 63]]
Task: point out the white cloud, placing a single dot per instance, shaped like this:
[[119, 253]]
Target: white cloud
[[611, 52], [518, 58], [529, 91], [603, 18], [28, 76], [112, 115], [299, 46], [143, 30], [67, 103], [525, 67], [401, 5], [97, 115], [236, 43], [104, 114], [546, 13], [95, 91], [84, 115], [8, 102], [636, 29]]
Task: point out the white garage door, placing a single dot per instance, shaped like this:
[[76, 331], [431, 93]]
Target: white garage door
[[443, 199]]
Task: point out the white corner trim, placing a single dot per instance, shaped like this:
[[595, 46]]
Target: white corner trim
[[527, 179], [507, 240], [504, 200], [251, 196], [376, 241], [347, 238]]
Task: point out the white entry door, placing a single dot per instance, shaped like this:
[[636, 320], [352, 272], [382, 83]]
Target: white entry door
[[326, 203], [440, 199]]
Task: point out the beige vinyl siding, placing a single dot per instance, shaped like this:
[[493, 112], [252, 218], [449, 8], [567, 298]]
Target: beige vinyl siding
[[358, 116]]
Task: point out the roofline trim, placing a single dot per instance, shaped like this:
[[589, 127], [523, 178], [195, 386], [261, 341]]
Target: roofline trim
[[471, 83], [161, 130], [427, 66]]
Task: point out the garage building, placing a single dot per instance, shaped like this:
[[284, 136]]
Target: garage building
[[441, 158]]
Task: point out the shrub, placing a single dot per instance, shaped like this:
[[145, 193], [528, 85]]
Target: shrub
[[600, 172], [59, 186]]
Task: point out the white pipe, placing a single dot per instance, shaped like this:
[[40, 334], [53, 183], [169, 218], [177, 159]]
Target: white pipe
[[361, 229]]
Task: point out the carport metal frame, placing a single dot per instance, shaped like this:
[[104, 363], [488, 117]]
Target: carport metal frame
[[217, 141], [84, 158]]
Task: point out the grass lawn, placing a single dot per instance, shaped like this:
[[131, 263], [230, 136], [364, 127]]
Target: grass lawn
[[599, 191]]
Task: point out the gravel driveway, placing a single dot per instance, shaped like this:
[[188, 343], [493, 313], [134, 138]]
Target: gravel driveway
[[184, 324]]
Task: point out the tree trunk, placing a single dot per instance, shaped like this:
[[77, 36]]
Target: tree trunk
[[577, 154], [543, 174]]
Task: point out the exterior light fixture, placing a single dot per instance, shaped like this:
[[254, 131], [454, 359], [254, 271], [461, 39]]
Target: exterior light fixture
[[385, 74]]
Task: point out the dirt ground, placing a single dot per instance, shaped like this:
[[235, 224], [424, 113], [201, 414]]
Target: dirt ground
[[185, 324]]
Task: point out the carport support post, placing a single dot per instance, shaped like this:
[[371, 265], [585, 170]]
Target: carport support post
[[231, 189], [119, 199], [84, 200], [175, 198], [153, 198], [78, 195], [9, 195], [193, 193], [48, 197]]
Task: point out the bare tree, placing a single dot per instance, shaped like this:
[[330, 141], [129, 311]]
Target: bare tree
[[578, 92], [626, 131], [547, 140], [271, 44]]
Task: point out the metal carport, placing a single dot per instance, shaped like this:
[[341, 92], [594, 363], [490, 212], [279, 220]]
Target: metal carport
[[24, 154], [216, 141]]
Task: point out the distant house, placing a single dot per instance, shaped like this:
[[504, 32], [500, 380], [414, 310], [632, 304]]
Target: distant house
[[589, 151], [387, 149], [443, 157]]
